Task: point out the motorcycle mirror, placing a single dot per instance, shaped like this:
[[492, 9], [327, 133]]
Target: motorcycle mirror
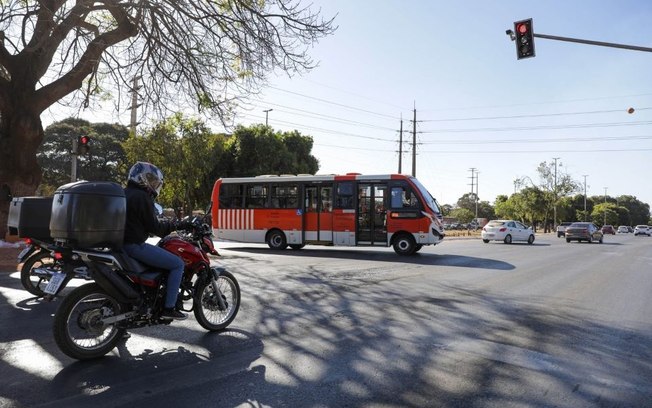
[[158, 208]]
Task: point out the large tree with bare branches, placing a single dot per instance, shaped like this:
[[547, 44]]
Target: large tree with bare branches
[[199, 53]]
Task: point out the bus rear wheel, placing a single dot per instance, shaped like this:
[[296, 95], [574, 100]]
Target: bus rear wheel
[[404, 244], [276, 240]]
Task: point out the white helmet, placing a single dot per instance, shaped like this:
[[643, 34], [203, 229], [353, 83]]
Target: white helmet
[[147, 176]]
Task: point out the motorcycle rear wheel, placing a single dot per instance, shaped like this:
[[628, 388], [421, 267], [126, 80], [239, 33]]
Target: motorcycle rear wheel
[[32, 283], [206, 307], [78, 330]]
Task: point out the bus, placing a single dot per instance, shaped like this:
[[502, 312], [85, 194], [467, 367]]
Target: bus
[[339, 210]]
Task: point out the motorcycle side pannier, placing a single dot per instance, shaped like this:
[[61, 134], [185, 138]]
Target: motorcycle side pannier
[[29, 217], [88, 214]]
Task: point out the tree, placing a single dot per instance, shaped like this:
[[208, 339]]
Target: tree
[[257, 150], [605, 211], [639, 212], [485, 209], [553, 185], [188, 153], [105, 160], [527, 206], [203, 54], [463, 215]]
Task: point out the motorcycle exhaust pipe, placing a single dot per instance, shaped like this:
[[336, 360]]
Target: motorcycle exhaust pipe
[[114, 284]]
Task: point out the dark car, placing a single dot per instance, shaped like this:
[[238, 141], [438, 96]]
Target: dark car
[[608, 229], [583, 231]]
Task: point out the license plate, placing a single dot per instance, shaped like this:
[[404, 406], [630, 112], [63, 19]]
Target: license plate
[[55, 282], [23, 253]]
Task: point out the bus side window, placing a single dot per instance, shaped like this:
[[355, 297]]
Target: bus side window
[[403, 197], [231, 196], [326, 199], [256, 196], [344, 196], [285, 196]]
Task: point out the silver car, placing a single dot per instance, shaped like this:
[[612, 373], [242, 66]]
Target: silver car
[[506, 231]]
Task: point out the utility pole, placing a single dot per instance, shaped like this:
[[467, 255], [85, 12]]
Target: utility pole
[[475, 197], [554, 197], [73, 160], [477, 185], [400, 148], [585, 176], [267, 111], [605, 207], [134, 105], [414, 143]]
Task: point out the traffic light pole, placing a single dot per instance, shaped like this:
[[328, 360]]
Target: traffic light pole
[[73, 160], [590, 42]]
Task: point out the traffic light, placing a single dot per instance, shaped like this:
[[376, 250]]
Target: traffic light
[[83, 145], [524, 39]]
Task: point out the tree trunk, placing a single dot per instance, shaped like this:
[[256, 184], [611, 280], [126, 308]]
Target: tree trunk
[[21, 134]]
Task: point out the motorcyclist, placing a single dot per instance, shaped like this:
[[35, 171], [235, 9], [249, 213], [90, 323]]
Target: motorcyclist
[[143, 186]]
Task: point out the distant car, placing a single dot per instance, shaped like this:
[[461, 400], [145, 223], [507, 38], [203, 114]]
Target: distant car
[[641, 230], [561, 229], [623, 229], [608, 229], [506, 231], [583, 231]]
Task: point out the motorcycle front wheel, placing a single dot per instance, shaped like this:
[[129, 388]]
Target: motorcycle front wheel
[[208, 311], [33, 283], [78, 328]]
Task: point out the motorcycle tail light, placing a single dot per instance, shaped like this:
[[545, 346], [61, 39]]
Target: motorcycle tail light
[[28, 241], [58, 255]]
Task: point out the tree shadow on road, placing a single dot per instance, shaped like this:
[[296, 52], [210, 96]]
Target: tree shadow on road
[[368, 340]]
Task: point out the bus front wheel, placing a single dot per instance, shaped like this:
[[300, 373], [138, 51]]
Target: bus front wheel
[[276, 240], [404, 244]]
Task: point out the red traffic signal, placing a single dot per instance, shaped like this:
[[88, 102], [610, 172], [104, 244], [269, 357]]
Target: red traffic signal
[[83, 145], [524, 39]]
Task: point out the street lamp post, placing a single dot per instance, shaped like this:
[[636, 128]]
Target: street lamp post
[[554, 204], [585, 176], [267, 111]]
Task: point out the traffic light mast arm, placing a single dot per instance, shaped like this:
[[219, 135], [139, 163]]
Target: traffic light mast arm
[[590, 42]]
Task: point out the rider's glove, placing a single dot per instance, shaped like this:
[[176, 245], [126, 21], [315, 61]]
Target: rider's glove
[[184, 225]]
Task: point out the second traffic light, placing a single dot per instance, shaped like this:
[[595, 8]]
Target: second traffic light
[[524, 39], [83, 145]]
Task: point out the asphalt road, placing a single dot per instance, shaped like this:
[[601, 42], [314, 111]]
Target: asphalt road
[[461, 324]]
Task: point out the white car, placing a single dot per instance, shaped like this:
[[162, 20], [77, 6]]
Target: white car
[[642, 230], [623, 230], [506, 231]]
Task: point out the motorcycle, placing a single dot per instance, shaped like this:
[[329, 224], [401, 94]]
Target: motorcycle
[[127, 294], [39, 265]]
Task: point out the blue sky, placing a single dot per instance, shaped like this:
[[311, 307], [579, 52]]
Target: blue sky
[[477, 106]]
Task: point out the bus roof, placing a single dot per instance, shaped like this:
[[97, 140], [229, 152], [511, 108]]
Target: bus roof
[[270, 178]]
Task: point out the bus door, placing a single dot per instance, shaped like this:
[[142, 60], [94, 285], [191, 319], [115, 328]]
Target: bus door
[[318, 213], [372, 214]]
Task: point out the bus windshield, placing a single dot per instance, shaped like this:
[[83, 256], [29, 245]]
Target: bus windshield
[[429, 199]]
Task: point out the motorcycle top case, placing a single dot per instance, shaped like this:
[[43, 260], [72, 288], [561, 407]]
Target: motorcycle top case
[[29, 217], [88, 214]]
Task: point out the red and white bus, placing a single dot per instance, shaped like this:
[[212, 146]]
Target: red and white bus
[[343, 210]]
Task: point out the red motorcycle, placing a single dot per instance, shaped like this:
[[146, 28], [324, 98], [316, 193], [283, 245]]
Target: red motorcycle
[[127, 294]]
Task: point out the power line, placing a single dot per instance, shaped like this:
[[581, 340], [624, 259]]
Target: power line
[[326, 130], [320, 115], [537, 103], [336, 103], [542, 115], [542, 127], [554, 140]]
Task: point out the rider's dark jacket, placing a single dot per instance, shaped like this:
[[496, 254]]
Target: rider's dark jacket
[[141, 216]]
